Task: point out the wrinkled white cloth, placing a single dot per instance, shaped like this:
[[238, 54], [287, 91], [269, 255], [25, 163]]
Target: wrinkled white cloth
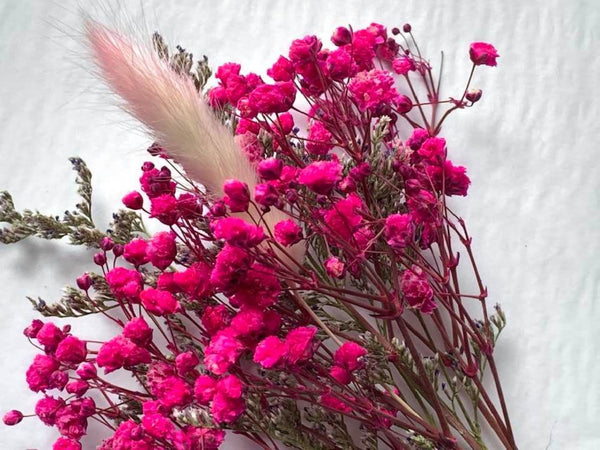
[[530, 146]]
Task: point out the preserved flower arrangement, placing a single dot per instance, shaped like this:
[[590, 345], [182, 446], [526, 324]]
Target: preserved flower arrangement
[[305, 290]]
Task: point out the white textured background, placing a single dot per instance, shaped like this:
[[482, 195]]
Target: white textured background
[[531, 146]]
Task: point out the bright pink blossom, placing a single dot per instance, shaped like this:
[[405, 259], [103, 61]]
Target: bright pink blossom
[[373, 90], [333, 402], [160, 303], [63, 443], [482, 53], [195, 280], [125, 284], [133, 200], [215, 318], [269, 352], [335, 267], [38, 373], [49, 335], [12, 417], [135, 252], [319, 140], [47, 408], [222, 352], [164, 208], [138, 331], [121, 352], [300, 344], [265, 194], [282, 70], [270, 168], [204, 389], [452, 179], [399, 230], [321, 176], [343, 218], [161, 250], [238, 232], [287, 232], [349, 356], [71, 350], [259, 288], [186, 362], [403, 65], [237, 195], [416, 290], [272, 98]]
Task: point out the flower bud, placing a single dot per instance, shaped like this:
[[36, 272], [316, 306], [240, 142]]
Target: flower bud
[[133, 200], [107, 243], [406, 28], [218, 209], [100, 258], [12, 417], [403, 104], [118, 250], [237, 195], [395, 31], [474, 95], [341, 36], [270, 168], [147, 166], [86, 371]]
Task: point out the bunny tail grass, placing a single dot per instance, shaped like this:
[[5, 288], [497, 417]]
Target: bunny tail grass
[[169, 106], [175, 115]]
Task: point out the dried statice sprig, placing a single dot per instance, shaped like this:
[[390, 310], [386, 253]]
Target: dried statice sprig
[[306, 288]]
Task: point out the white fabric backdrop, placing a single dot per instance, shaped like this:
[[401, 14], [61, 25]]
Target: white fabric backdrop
[[530, 146]]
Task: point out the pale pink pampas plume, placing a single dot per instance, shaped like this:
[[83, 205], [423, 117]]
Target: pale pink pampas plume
[[175, 115], [170, 108]]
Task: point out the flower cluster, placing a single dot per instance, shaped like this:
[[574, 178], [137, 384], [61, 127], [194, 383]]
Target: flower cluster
[[330, 280]]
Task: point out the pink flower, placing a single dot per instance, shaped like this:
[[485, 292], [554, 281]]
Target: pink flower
[[204, 389], [230, 268], [343, 218], [162, 250], [287, 232], [215, 318], [194, 281], [138, 331], [423, 207], [160, 303], [222, 352], [349, 356], [121, 352], [319, 139], [482, 53], [47, 408], [260, 288], [158, 426], [238, 232], [49, 335], [341, 36], [186, 362], [270, 168], [269, 352], [171, 391], [403, 65], [417, 138], [305, 49], [433, 149], [340, 65], [282, 70], [333, 402], [231, 386], [452, 179], [334, 267], [125, 284], [340, 375], [299, 344], [237, 195], [12, 417], [272, 98], [86, 371], [33, 329], [164, 208], [321, 176], [135, 252], [225, 409], [63, 443], [77, 387], [416, 290], [133, 200], [157, 182], [247, 323], [38, 373], [363, 48], [204, 438], [373, 90], [265, 194], [399, 230], [71, 350]]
